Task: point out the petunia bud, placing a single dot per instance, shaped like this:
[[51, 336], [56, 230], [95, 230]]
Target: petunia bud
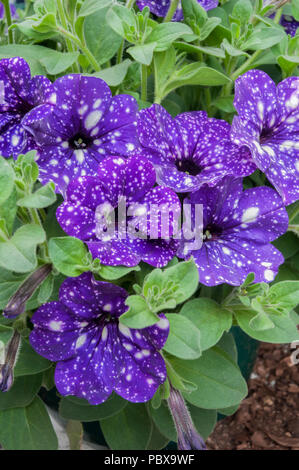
[[6, 378], [16, 304], [7, 369], [188, 437]]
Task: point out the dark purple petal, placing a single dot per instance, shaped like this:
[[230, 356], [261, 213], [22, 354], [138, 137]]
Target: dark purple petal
[[55, 331], [238, 227], [21, 93], [83, 375], [290, 24], [87, 298], [98, 355], [91, 201], [190, 150], [157, 253], [115, 252], [268, 125], [82, 126]]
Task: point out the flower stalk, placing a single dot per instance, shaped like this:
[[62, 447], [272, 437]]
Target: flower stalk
[[171, 11], [8, 20]]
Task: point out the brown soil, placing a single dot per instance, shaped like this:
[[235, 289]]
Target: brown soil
[[269, 417]]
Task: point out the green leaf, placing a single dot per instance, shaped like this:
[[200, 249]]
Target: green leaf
[[209, 26], [228, 411], [43, 197], [6, 180], [284, 330], [45, 290], [174, 285], [115, 75], [285, 293], [191, 48], [164, 34], [91, 6], [225, 104], [69, 255], [26, 27], [263, 37], [54, 62], [71, 409], [194, 13], [29, 362], [22, 392], [19, 253], [204, 421], [261, 322], [218, 379], [6, 333], [184, 338], [227, 343], [128, 430], [243, 10], [8, 211], [143, 53], [111, 273], [295, 9], [139, 315], [210, 318], [121, 20], [288, 63], [231, 50], [27, 428], [45, 24], [195, 74], [287, 244], [102, 41], [157, 440]]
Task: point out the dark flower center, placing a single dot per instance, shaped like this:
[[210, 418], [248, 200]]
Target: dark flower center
[[266, 135], [80, 141], [188, 166], [212, 233], [25, 107]]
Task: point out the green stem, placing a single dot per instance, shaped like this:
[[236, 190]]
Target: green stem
[[171, 10], [246, 64], [144, 82], [64, 24], [120, 52], [278, 16], [84, 49], [8, 20], [130, 3], [36, 219]]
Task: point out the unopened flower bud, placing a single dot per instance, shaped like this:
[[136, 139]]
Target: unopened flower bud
[[16, 304], [188, 437], [7, 369], [6, 378]]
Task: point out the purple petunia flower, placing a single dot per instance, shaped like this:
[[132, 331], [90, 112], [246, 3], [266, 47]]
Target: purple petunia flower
[[237, 230], [91, 201], [19, 94], [161, 7], [190, 150], [84, 126], [290, 24], [268, 124], [96, 354]]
